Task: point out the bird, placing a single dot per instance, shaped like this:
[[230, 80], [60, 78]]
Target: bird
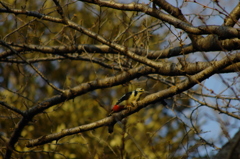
[[126, 101]]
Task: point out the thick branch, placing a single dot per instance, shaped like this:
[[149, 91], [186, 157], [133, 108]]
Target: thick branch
[[231, 149], [70, 94], [205, 44], [66, 132], [233, 16], [221, 31], [125, 51], [174, 11], [169, 69], [179, 88]]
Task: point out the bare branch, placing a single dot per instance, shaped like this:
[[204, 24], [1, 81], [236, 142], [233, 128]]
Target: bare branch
[[230, 149], [222, 31], [71, 50], [228, 44], [56, 136], [60, 10], [233, 16], [169, 69], [18, 111], [176, 12], [179, 88], [32, 66]]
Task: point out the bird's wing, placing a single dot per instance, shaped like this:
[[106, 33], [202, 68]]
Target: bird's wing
[[124, 97]]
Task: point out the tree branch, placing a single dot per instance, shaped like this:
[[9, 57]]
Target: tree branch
[[32, 66], [233, 16], [221, 31], [179, 88], [176, 12], [18, 111], [70, 94], [169, 68], [227, 44], [231, 149]]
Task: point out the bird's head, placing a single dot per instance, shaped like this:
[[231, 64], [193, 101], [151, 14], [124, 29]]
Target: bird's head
[[140, 90]]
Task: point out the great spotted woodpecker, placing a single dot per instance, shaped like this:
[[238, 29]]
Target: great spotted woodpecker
[[126, 100]]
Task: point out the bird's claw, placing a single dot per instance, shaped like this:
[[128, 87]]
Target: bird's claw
[[129, 107], [134, 104]]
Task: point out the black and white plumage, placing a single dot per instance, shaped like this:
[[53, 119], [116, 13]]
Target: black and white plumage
[[125, 102], [130, 97]]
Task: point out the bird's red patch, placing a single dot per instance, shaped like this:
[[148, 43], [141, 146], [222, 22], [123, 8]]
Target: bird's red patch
[[117, 108]]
